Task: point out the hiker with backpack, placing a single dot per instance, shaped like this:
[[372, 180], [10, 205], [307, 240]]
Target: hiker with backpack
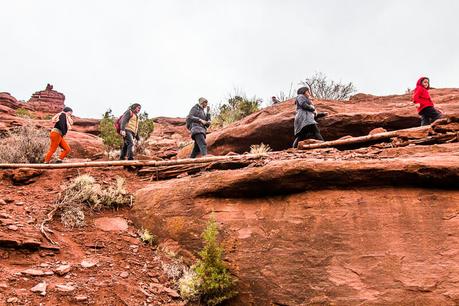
[[305, 125], [425, 106], [128, 125], [62, 124], [197, 121]]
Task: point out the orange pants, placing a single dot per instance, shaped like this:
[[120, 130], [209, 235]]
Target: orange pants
[[57, 141]]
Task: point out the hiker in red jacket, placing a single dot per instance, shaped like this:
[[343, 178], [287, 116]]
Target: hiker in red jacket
[[421, 98]]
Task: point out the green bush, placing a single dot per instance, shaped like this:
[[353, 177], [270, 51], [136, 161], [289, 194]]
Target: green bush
[[146, 126], [236, 108], [108, 132], [24, 113], [212, 277], [112, 139]]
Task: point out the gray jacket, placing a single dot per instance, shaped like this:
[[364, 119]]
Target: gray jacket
[[196, 113], [304, 113]]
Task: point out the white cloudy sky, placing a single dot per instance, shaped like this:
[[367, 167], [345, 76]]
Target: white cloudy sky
[[166, 54]]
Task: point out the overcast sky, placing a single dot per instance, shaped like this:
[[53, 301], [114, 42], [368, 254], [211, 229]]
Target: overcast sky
[[166, 54]]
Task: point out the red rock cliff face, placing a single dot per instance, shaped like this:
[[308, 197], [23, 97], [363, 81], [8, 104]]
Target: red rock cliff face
[[349, 228], [47, 101]]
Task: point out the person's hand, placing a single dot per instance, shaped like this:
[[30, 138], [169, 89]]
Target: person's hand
[[417, 105], [123, 133], [203, 121]]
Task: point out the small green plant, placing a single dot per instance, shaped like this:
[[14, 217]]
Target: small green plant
[[260, 149], [211, 277], [24, 113], [147, 237], [47, 117]]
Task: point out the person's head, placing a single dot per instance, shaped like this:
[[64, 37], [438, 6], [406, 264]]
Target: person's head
[[203, 102], [424, 82], [303, 91], [273, 98], [67, 110], [135, 108]]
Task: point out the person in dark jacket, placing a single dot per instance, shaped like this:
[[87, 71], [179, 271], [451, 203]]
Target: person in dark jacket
[[421, 98], [62, 124], [198, 120], [305, 125], [129, 129]]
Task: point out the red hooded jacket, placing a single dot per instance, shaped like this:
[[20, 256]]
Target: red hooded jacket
[[421, 95]]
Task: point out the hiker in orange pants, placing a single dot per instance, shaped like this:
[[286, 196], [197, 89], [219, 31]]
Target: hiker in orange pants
[[63, 122]]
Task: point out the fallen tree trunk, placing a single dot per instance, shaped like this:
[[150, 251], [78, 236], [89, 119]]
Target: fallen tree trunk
[[167, 172], [416, 133], [139, 163]]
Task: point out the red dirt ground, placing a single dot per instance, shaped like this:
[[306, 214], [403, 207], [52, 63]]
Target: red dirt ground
[[128, 272]]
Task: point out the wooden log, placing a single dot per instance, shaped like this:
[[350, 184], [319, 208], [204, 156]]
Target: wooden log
[[415, 132], [139, 163]]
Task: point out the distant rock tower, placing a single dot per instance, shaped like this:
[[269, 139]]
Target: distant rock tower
[[47, 101]]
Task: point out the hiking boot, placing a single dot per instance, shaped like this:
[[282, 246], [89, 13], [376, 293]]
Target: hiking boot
[[59, 161]]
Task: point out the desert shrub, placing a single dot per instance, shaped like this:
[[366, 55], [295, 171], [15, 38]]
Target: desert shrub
[[260, 149], [25, 144], [237, 107], [84, 190], [112, 140], [146, 125], [212, 280], [24, 113], [322, 88]]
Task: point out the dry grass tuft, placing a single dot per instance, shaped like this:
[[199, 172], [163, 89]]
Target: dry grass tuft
[[84, 190], [260, 149]]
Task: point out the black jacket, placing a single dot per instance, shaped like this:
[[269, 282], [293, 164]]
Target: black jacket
[[61, 125], [196, 113]]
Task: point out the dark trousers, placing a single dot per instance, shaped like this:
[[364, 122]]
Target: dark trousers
[[199, 145], [308, 132], [429, 115], [126, 149]]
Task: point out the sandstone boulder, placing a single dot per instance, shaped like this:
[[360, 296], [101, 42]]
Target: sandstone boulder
[[85, 145]]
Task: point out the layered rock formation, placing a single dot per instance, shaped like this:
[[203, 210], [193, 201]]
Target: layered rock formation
[[7, 100], [47, 101], [274, 125], [368, 226]]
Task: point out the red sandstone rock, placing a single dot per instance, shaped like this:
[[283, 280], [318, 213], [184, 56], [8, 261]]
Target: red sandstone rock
[[85, 145], [168, 136], [338, 230], [48, 100], [9, 101]]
